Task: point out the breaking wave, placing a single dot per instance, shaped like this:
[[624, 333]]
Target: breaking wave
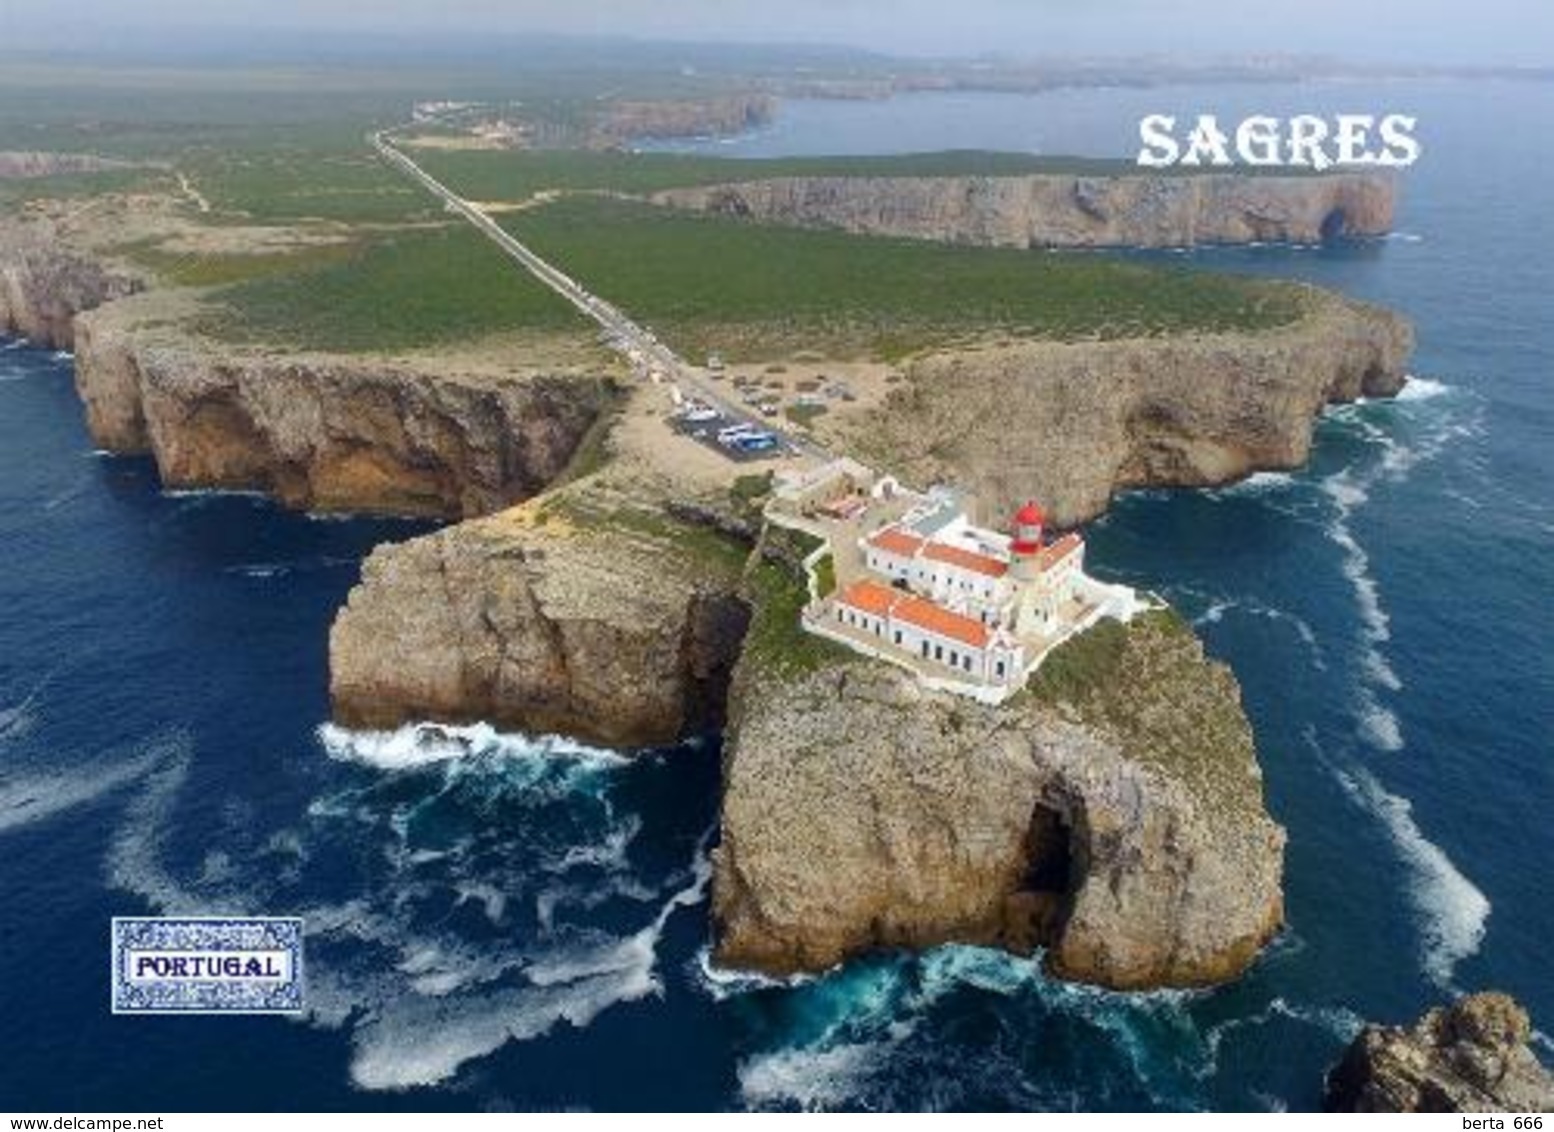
[[812, 1079], [1422, 389], [458, 820], [868, 1035], [421, 744], [1451, 910], [722, 983], [1349, 489]]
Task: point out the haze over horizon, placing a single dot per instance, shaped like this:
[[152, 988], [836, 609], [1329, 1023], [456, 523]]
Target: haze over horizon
[[1492, 33]]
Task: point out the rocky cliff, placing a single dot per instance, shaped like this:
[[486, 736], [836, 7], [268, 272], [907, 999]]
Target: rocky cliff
[[1072, 423], [619, 626], [330, 433], [44, 285], [1063, 211], [1472, 1056], [619, 123], [1113, 815]]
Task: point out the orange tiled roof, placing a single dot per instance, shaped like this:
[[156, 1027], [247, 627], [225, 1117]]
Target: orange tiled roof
[[1060, 550], [895, 541], [936, 619], [870, 597], [966, 559]]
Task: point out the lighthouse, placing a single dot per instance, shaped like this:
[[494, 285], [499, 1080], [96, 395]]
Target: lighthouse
[[1025, 546]]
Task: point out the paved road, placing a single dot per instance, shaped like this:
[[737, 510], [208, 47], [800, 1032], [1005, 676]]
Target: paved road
[[629, 338]]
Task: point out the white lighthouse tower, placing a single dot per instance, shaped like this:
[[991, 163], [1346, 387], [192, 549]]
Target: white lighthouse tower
[[1034, 607]]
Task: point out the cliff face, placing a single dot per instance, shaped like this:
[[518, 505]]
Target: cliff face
[[44, 285], [620, 122], [860, 810], [1472, 1056], [619, 636], [330, 434], [1071, 423], [1059, 211]]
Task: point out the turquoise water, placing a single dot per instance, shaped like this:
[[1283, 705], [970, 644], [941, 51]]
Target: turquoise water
[[501, 922]]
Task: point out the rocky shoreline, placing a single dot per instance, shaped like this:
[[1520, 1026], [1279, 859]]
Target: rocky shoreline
[[1130, 210], [331, 434], [1471, 1056], [44, 285], [1134, 847], [614, 633], [861, 811], [1072, 424]]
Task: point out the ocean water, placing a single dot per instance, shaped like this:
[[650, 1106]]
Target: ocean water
[[500, 921]]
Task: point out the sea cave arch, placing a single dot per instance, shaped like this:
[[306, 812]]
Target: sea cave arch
[[1054, 868]]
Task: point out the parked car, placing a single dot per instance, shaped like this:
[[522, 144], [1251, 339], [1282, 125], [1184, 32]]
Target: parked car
[[734, 432]]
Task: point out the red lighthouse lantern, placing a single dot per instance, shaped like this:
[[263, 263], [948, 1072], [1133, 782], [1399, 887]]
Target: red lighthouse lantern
[[1027, 527]]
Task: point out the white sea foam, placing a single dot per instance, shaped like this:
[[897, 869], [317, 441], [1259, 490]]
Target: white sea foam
[[261, 570], [422, 744], [1350, 489], [201, 494], [414, 1040], [811, 1079], [1220, 606], [1422, 389], [1378, 724], [722, 983], [860, 1022], [16, 722], [418, 1000], [1214, 613], [1451, 910], [134, 861], [27, 801], [1338, 1021], [421, 1039], [1259, 483], [19, 719], [490, 898]]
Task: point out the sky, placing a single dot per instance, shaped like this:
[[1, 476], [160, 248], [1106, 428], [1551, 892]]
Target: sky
[[1490, 32]]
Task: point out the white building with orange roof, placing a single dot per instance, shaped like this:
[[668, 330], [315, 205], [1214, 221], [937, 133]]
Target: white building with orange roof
[[969, 609], [925, 630]]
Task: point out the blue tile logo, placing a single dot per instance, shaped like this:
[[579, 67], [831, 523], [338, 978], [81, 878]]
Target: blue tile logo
[[207, 965]]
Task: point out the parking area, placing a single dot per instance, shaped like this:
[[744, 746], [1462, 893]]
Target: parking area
[[741, 439]]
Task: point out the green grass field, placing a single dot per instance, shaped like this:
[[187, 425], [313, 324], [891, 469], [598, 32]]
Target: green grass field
[[272, 153], [751, 290], [285, 183], [399, 290]]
